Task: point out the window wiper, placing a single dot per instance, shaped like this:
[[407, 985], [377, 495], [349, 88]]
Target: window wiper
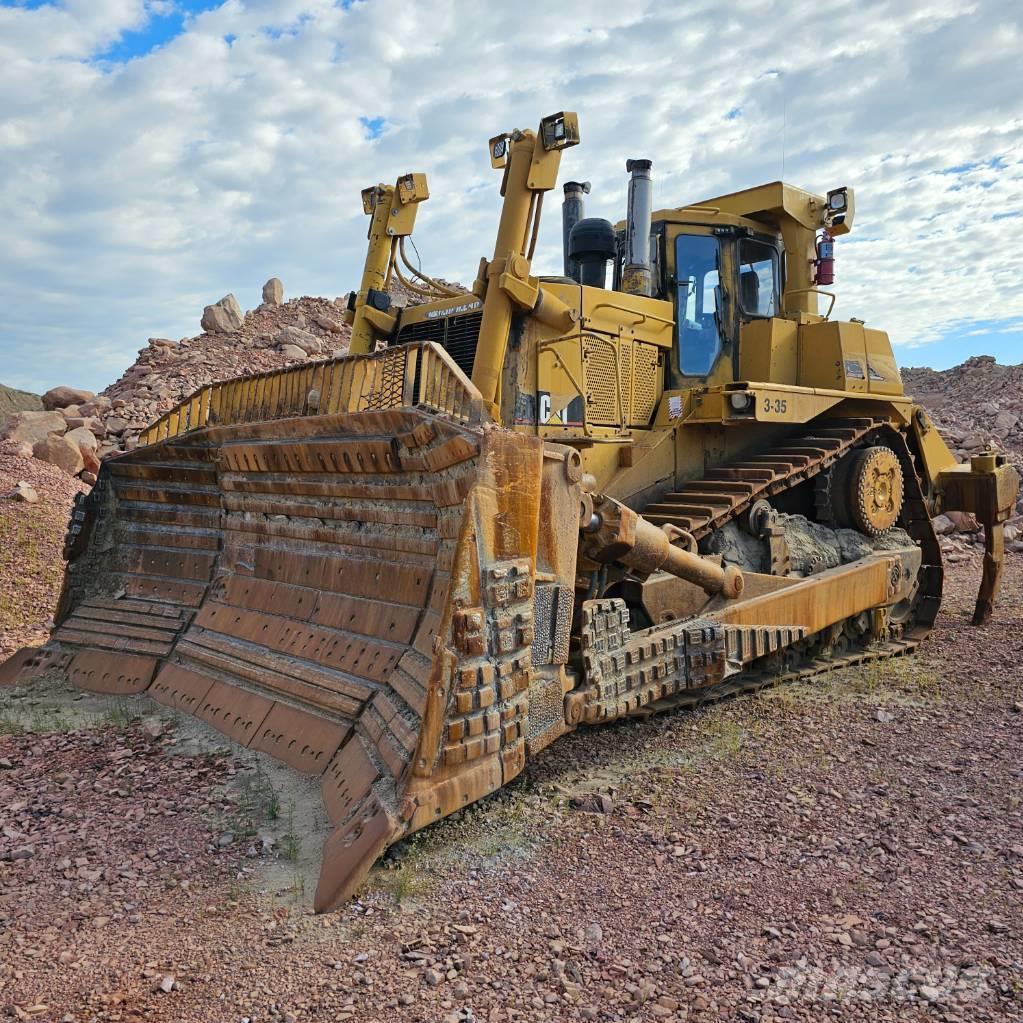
[[690, 293], [718, 300]]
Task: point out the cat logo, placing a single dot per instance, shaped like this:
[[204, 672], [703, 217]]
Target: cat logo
[[569, 415]]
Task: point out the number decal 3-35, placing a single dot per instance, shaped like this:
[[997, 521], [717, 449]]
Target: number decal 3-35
[[776, 405]]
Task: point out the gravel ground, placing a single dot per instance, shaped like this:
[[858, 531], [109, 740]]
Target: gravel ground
[[31, 541], [849, 848]]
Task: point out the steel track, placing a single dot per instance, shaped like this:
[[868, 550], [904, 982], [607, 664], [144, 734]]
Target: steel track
[[700, 508]]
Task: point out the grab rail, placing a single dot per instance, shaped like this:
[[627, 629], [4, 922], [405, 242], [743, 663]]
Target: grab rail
[[416, 375]]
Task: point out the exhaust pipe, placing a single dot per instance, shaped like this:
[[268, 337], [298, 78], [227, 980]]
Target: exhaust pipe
[[637, 275], [572, 211]]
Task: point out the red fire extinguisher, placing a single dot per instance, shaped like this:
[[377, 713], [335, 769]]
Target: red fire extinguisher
[[825, 261]]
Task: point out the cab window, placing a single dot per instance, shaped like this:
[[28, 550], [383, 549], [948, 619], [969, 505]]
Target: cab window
[[697, 269], [758, 278]]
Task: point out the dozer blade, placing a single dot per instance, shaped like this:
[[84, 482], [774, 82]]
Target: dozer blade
[[350, 592]]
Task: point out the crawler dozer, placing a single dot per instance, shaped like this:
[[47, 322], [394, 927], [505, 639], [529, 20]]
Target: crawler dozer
[[662, 477]]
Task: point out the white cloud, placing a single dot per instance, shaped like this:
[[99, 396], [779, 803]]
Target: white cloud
[[133, 194]]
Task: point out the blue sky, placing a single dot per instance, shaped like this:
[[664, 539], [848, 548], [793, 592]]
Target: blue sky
[[157, 30], [157, 154], [991, 337], [163, 21]]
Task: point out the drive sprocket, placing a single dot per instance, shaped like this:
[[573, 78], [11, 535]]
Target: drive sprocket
[[864, 491]]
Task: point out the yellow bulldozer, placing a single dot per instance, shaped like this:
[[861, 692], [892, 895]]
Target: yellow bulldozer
[[662, 477]]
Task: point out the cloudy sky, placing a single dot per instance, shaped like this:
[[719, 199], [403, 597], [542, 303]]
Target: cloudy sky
[[157, 154]]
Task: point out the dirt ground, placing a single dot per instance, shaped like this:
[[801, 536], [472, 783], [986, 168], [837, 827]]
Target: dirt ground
[[849, 848], [31, 542]]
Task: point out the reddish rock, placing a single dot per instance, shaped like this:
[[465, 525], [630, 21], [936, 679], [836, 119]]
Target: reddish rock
[[92, 463], [84, 438], [61, 397], [327, 324], [964, 522], [60, 451], [32, 427], [98, 405]]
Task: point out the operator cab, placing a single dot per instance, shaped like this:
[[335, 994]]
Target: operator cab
[[718, 278]]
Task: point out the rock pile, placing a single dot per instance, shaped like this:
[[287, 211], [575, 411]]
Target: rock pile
[[977, 405], [35, 503], [62, 436], [75, 429], [272, 336]]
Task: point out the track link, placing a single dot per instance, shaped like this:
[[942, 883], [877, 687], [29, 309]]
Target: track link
[[720, 495], [704, 505], [749, 682]]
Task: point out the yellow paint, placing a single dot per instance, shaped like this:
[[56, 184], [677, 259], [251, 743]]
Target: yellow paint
[[768, 350]]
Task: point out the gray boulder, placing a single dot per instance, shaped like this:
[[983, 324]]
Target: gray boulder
[[116, 424], [23, 491], [309, 343], [273, 292], [1004, 423], [223, 317]]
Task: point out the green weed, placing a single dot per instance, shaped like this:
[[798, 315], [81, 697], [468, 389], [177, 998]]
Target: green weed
[[122, 714]]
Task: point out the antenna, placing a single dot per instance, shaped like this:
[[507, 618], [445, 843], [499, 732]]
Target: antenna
[[780, 76], [781, 82]]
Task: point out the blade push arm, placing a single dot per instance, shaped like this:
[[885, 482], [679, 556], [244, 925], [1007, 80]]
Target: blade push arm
[[392, 211], [530, 161]]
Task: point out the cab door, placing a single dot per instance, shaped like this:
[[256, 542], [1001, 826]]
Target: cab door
[[701, 268]]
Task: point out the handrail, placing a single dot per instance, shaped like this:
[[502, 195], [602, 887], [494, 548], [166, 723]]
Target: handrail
[[416, 375], [816, 291], [643, 317]]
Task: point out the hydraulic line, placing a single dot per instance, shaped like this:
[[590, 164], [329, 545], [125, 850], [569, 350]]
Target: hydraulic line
[[426, 279]]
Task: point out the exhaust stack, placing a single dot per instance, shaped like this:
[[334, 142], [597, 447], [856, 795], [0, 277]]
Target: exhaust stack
[[637, 275], [572, 211]]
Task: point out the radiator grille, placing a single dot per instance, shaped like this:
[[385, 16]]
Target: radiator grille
[[603, 397], [646, 376], [458, 335], [625, 350]]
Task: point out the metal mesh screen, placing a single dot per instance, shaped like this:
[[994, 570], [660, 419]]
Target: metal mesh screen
[[602, 386]]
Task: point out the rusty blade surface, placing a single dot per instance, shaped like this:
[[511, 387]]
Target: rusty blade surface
[[291, 583]]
